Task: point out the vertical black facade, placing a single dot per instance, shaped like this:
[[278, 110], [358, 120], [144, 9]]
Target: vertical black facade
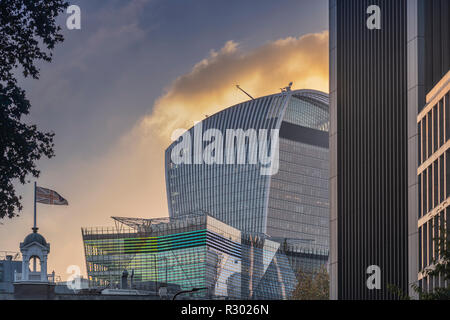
[[437, 41], [371, 103]]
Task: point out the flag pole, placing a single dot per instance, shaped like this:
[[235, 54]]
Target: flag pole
[[35, 228]]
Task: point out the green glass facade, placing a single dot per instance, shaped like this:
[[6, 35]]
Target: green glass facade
[[194, 252]]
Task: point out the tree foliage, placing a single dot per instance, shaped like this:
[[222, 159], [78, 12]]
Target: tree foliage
[[440, 268], [312, 286], [28, 34]]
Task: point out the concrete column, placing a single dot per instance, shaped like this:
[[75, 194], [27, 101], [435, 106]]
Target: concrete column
[[416, 101], [25, 264], [44, 268], [333, 154]]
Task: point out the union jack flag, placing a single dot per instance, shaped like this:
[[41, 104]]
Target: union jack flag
[[47, 196]]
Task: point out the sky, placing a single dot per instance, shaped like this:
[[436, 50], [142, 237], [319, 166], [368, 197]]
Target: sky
[[136, 71]]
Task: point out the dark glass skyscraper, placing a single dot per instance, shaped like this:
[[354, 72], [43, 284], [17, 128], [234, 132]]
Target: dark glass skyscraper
[[378, 80], [290, 206]]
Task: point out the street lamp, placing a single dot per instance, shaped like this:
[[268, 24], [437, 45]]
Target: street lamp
[[188, 291]]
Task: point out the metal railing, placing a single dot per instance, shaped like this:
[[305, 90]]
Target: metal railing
[[34, 276]]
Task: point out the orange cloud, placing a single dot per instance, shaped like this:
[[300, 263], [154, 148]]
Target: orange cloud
[[210, 86]]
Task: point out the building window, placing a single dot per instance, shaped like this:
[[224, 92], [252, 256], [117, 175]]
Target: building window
[[430, 134], [447, 117]]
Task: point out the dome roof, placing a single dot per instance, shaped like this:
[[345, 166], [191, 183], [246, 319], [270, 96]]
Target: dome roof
[[34, 237]]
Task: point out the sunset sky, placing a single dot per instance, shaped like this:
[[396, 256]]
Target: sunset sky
[[138, 70]]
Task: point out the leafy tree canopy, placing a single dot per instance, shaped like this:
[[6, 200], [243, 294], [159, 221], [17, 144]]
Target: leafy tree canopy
[[440, 269], [312, 286], [28, 34]]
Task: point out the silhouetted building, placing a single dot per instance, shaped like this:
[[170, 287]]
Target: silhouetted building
[[9, 265], [379, 77]]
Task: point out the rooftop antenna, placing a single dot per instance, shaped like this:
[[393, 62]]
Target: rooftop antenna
[[288, 88], [237, 86]]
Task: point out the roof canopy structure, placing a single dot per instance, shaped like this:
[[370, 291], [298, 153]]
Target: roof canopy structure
[[145, 225]]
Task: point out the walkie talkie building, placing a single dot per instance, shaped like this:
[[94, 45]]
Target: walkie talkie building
[[288, 205], [240, 230]]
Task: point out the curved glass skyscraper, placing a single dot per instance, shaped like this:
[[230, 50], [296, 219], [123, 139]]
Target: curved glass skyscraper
[[289, 206]]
